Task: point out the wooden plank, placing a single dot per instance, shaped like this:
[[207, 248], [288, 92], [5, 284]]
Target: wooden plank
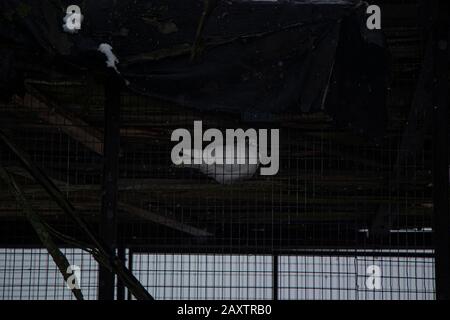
[[72, 126], [165, 221]]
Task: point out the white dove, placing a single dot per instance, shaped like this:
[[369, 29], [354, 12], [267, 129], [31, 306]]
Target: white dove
[[245, 163]]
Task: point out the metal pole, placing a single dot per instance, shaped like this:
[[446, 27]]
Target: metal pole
[[130, 267], [441, 214], [108, 221], [120, 285], [275, 277]]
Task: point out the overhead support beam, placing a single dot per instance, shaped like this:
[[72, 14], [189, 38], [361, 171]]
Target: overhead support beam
[[147, 215], [74, 127], [164, 221]]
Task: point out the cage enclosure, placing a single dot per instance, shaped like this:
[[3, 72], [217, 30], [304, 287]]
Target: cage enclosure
[[342, 114]]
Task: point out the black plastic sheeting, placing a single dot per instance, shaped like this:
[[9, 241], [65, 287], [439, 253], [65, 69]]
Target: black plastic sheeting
[[253, 58]]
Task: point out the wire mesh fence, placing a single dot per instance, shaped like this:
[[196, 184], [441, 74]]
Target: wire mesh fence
[[346, 217], [189, 237], [30, 274]]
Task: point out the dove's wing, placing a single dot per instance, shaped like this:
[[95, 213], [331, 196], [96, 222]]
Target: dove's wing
[[228, 173]]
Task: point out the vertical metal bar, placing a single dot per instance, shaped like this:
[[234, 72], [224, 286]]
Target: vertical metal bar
[[108, 220], [275, 277], [120, 285], [130, 267], [440, 151]]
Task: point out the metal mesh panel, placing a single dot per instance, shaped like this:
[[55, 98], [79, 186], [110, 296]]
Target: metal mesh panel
[[345, 278], [31, 274], [341, 203], [214, 277]]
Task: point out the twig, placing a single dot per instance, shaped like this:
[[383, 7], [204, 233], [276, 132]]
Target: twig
[[209, 6]]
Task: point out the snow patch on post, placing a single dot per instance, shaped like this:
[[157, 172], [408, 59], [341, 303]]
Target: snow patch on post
[[111, 59]]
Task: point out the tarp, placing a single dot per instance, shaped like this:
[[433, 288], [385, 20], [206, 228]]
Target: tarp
[[252, 58]]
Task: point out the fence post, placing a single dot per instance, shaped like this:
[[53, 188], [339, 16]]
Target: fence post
[[108, 219], [130, 267], [441, 215], [120, 285]]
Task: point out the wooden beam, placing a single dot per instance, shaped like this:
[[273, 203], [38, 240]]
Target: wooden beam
[[69, 124], [104, 255], [41, 230], [165, 221], [147, 215]]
